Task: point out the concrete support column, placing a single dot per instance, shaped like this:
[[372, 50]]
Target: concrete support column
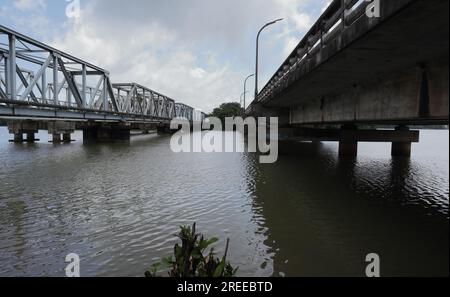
[[120, 134], [59, 127], [106, 132], [18, 137], [348, 148], [89, 135], [18, 128], [164, 129], [348, 145], [31, 137], [56, 138], [67, 138], [401, 149]]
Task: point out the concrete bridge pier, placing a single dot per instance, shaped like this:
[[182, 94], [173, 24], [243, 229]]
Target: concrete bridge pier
[[348, 145], [348, 148], [19, 128], [165, 129], [56, 129], [349, 136], [18, 138], [401, 149], [106, 132], [145, 128], [401, 138]]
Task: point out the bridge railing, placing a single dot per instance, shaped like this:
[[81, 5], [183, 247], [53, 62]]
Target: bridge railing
[[35, 74], [339, 15]]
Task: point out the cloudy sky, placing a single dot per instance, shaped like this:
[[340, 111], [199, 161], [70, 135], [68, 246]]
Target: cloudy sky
[[195, 51]]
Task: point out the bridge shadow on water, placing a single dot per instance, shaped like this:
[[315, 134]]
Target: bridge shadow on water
[[325, 213]]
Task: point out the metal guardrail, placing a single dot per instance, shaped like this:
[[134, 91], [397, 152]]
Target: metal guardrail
[[35, 74], [339, 15]]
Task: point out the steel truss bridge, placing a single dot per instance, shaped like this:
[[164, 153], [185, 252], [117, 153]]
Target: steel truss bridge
[[41, 82]]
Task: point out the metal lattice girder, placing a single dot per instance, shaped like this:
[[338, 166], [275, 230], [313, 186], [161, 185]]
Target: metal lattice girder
[[137, 99], [71, 83], [45, 61], [183, 111], [25, 83], [37, 75]]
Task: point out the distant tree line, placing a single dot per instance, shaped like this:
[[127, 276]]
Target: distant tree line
[[227, 110]]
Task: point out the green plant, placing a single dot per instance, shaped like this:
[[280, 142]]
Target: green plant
[[189, 259]]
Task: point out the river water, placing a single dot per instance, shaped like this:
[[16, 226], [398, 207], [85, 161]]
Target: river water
[[118, 207]]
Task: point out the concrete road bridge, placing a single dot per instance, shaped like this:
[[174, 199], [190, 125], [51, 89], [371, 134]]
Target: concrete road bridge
[[355, 72], [44, 88]]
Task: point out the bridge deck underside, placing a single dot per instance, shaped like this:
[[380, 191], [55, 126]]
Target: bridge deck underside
[[396, 72]]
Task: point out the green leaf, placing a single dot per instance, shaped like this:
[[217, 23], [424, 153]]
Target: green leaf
[[197, 254], [212, 241], [168, 261]]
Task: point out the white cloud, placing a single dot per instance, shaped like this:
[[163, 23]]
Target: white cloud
[[290, 45], [151, 56], [196, 51], [29, 4]]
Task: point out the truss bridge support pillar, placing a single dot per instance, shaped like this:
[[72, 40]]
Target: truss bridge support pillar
[[165, 129], [106, 132], [58, 128], [19, 128]]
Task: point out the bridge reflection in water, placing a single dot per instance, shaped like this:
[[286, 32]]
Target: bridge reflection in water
[[314, 213]]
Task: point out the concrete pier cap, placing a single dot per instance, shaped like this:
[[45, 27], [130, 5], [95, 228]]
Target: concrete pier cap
[[20, 127], [58, 128], [349, 135]]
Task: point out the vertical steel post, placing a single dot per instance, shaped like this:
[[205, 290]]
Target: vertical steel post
[[119, 101], [69, 97], [91, 96], [105, 93], [143, 99], [55, 79], [7, 86], [83, 95], [44, 86], [12, 66]]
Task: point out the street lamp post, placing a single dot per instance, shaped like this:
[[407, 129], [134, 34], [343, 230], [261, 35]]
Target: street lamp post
[[257, 53], [240, 102], [245, 89]]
